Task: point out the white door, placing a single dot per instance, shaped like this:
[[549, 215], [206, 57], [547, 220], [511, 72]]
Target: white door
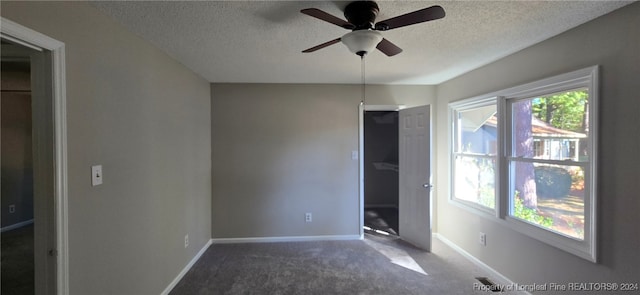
[[415, 175]]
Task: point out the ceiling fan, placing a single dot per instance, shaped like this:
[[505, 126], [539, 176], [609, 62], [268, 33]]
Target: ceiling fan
[[365, 32]]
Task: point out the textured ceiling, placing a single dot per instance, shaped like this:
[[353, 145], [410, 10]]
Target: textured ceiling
[[261, 41]]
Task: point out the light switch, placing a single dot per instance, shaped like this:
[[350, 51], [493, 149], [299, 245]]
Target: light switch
[[354, 155], [96, 175]]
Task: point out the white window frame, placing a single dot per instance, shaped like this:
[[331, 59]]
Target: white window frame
[[454, 109], [583, 78]]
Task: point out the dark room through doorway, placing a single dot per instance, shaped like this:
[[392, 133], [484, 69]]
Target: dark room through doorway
[[381, 178]]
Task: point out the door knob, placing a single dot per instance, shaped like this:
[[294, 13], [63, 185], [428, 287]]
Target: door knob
[[427, 185]]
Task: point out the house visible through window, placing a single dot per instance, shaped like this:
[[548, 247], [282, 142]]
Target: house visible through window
[[548, 183], [475, 153], [526, 155]]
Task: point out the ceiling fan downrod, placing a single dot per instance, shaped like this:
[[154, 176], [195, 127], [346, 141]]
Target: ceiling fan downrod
[[364, 88]]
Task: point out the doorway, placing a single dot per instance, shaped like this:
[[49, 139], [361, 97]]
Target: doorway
[[381, 172], [47, 175], [16, 161], [404, 155]]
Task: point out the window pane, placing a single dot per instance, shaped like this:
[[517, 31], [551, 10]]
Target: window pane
[[553, 127], [475, 180], [550, 196], [477, 131]]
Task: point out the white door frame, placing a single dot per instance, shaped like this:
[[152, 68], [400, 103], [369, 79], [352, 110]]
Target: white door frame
[[32, 39], [361, 109]]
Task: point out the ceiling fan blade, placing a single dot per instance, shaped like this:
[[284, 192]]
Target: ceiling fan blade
[[321, 15], [323, 45], [418, 16], [388, 48]]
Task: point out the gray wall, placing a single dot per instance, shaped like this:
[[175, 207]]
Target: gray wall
[[17, 160], [280, 150], [146, 119], [613, 42]]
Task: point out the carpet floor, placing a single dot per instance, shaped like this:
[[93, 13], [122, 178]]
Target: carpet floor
[[17, 266], [376, 265]]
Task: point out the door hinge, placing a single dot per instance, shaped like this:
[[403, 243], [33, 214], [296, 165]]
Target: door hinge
[[53, 252]]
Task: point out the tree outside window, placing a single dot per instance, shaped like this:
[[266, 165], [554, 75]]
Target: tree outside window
[[546, 191], [526, 155]]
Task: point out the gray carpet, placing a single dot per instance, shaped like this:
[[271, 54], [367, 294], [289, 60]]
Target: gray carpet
[[17, 266], [372, 266]]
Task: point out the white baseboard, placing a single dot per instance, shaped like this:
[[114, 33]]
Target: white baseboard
[[285, 239], [503, 280], [16, 225], [186, 269]]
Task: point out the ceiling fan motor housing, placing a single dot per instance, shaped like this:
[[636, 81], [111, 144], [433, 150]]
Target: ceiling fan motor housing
[[362, 14]]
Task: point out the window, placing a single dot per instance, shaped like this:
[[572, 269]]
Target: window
[[533, 149], [547, 189], [475, 151]]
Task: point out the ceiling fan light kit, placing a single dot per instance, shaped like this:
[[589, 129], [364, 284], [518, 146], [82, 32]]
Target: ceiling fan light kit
[[362, 42], [365, 35]]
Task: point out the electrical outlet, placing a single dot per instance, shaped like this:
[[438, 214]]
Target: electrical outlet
[[12, 208], [483, 239], [308, 217], [186, 241]]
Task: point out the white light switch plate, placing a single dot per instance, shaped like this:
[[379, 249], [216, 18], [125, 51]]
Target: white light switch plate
[[96, 175], [354, 155]]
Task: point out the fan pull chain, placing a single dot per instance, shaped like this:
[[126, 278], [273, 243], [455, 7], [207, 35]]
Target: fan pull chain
[[362, 70]]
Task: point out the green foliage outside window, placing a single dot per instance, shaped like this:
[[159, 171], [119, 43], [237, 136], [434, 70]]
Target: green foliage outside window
[[486, 191], [552, 182], [528, 214], [566, 110]]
